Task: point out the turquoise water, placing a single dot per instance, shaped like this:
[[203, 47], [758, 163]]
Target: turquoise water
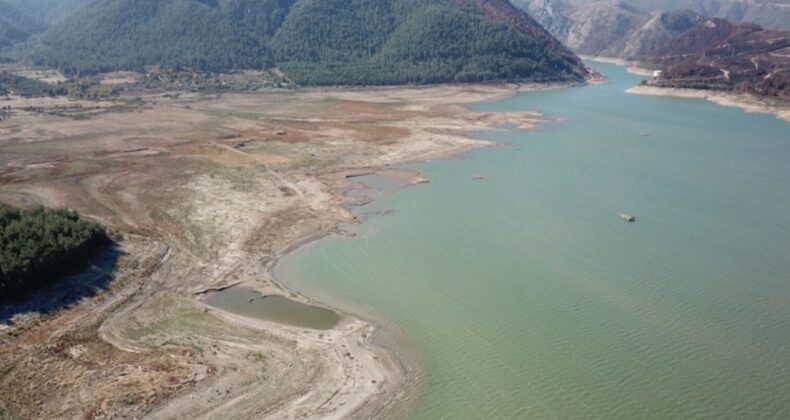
[[526, 296]]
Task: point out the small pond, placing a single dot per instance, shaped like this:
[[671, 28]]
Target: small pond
[[249, 302]]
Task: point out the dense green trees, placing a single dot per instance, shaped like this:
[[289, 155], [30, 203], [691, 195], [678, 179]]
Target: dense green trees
[[38, 246], [131, 34], [315, 42], [76, 88], [16, 26]]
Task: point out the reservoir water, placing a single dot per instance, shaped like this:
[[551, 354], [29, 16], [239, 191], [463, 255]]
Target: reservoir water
[[524, 295]]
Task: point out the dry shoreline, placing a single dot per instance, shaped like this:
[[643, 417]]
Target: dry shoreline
[[747, 103], [396, 372], [403, 374], [207, 195]]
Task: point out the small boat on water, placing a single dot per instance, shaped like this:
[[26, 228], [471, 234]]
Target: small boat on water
[[628, 217]]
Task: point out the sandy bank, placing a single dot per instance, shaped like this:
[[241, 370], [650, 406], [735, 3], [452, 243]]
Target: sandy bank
[[746, 102]]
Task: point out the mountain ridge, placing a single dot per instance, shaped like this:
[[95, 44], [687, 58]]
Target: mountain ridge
[[769, 14], [610, 28], [318, 42]]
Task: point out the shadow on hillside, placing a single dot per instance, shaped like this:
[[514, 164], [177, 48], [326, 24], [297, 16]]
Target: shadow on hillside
[[67, 292]]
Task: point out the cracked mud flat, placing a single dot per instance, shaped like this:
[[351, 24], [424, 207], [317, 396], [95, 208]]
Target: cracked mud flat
[[209, 191]]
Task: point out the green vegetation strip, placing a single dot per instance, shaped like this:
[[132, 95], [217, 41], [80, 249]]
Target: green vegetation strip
[[23, 86], [76, 88]]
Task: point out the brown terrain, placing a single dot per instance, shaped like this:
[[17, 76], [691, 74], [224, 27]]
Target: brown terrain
[[721, 55], [204, 191]]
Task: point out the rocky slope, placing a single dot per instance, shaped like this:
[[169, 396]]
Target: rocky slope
[[600, 27], [609, 28], [315, 42], [655, 33], [722, 55]]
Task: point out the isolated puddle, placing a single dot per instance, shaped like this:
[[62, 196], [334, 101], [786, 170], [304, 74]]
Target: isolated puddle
[[248, 302]]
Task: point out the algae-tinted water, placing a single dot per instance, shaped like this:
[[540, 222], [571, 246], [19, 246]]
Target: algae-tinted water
[[280, 309], [526, 296]]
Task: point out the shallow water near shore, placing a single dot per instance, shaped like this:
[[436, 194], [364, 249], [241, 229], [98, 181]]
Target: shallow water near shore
[[526, 296], [249, 302]]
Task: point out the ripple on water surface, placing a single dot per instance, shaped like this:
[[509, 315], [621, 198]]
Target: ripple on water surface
[[528, 297]]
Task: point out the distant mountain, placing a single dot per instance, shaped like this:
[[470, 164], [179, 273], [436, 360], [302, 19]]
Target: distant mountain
[[49, 11], [656, 32], [587, 28], [722, 55], [608, 28], [691, 50], [315, 42], [771, 14], [16, 26]]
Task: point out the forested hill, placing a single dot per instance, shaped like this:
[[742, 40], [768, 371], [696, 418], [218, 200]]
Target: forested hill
[[16, 26], [49, 11], [315, 42]]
